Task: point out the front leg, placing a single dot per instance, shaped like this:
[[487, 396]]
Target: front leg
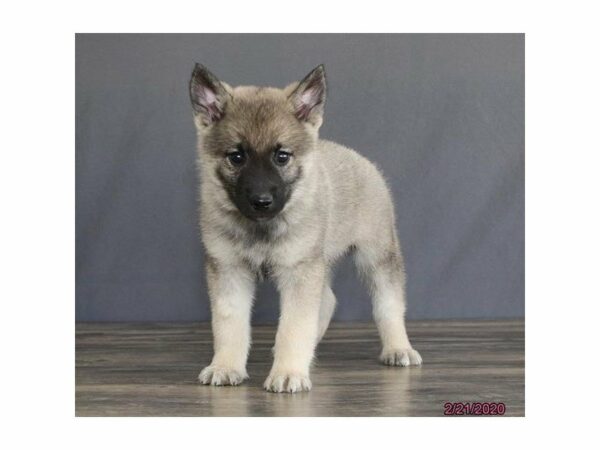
[[300, 288], [231, 291]]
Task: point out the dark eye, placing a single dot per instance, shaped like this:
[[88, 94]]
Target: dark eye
[[281, 157], [236, 157]]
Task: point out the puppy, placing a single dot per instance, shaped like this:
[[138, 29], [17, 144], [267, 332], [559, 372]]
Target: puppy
[[275, 199]]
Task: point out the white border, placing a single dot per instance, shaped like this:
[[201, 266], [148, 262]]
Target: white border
[[37, 189]]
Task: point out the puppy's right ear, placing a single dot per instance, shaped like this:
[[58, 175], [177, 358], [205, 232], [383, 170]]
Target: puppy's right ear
[[209, 96]]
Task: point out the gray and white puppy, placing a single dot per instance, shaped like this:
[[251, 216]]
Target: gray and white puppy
[[276, 199]]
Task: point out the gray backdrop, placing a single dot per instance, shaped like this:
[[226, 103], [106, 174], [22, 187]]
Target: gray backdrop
[[442, 115]]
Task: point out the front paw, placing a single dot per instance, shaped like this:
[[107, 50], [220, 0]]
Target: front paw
[[221, 376], [401, 357], [286, 382]]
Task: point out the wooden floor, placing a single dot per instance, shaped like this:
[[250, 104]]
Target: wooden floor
[[151, 370]]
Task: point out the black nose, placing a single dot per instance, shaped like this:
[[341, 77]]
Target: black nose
[[261, 202]]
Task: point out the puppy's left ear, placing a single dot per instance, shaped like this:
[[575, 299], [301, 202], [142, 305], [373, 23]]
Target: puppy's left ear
[[308, 98]]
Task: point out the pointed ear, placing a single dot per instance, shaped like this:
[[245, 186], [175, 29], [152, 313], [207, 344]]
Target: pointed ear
[[209, 96], [308, 98]]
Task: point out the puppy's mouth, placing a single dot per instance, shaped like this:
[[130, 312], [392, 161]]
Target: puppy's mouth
[[259, 215], [262, 217]]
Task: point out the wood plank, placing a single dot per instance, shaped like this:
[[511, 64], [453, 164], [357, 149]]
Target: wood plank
[[150, 370]]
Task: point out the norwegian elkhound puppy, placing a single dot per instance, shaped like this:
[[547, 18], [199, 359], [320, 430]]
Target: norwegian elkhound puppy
[[277, 200]]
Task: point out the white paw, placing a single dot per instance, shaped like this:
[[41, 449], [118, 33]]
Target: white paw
[[221, 376], [287, 383], [401, 357]]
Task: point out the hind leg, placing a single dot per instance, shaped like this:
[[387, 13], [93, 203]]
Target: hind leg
[[385, 274], [326, 310]]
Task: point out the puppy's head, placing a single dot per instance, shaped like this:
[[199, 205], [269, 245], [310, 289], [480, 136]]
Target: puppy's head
[[256, 138]]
